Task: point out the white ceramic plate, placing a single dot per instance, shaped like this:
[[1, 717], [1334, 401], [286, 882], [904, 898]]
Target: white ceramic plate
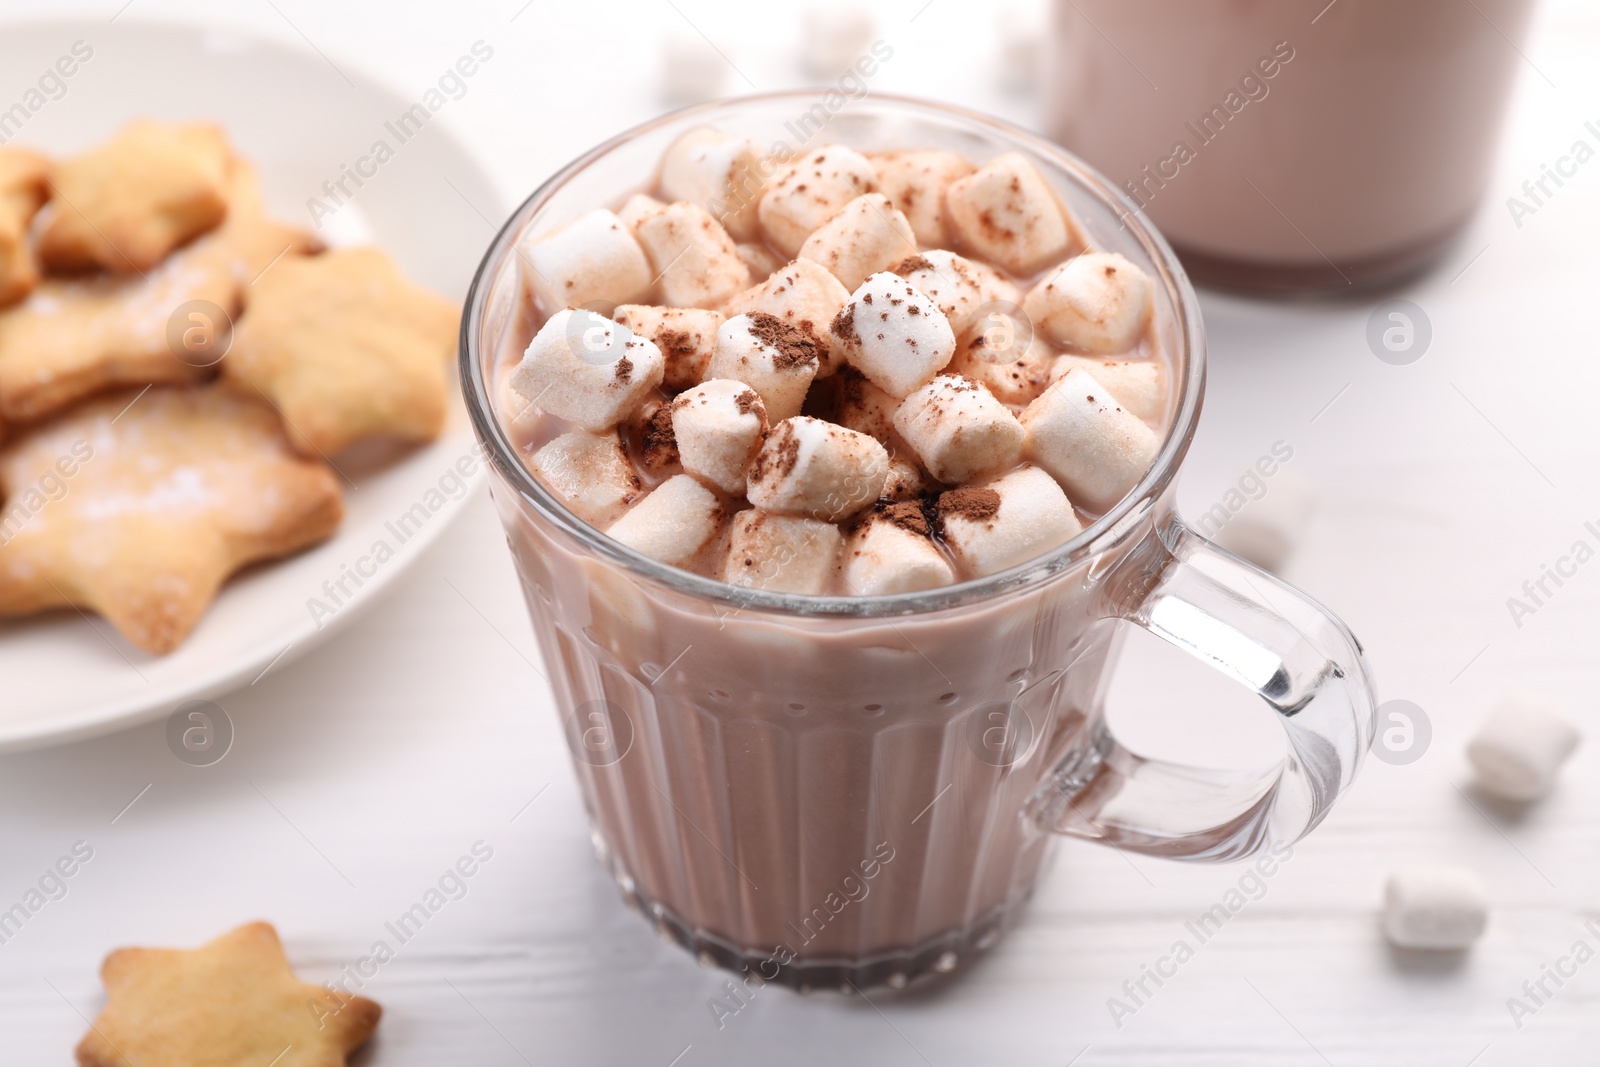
[[300, 121]]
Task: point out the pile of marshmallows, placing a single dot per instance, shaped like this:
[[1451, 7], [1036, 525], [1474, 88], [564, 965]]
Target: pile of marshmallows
[[986, 413], [1517, 756]]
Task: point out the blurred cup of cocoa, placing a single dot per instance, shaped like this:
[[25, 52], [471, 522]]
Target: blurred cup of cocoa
[[1291, 145]]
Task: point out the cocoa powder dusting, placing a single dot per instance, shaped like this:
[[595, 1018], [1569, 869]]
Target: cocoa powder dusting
[[794, 346], [675, 342], [911, 265], [746, 401], [659, 443], [624, 369], [978, 505], [844, 323], [908, 516]]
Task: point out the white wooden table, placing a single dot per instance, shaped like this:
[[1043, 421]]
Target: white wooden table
[[363, 770]]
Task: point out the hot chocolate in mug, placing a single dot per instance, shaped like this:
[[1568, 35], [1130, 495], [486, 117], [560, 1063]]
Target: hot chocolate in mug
[[829, 791]]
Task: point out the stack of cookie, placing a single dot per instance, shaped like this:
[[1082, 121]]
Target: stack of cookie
[[178, 374]]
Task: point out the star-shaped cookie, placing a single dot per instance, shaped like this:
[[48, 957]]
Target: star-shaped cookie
[[74, 337], [234, 1002], [347, 349], [24, 187], [140, 507], [125, 205]]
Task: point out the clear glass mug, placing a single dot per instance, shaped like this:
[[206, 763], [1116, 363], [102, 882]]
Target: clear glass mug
[[1296, 146], [838, 791]]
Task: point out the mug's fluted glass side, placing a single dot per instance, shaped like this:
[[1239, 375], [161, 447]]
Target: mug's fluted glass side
[[841, 797]]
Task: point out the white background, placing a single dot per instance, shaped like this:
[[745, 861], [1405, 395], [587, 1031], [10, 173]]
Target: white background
[[363, 770]]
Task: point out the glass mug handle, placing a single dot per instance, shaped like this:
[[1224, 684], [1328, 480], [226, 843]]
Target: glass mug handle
[[1272, 639]]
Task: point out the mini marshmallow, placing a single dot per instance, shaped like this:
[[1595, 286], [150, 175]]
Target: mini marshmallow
[[991, 356], [775, 359], [692, 255], [861, 406], [591, 474], [722, 174], [915, 183], [892, 552], [592, 260], [687, 338], [865, 236], [1266, 530], [586, 369], [802, 294], [1098, 303], [1094, 447], [1005, 212], [781, 553], [1140, 385], [658, 445], [677, 520], [833, 39], [811, 467], [959, 286], [1008, 521], [762, 263], [1022, 35], [1519, 751], [894, 334], [804, 194], [906, 480], [718, 425], [692, 69], [1428, 907], [959, 430], [639, 207]]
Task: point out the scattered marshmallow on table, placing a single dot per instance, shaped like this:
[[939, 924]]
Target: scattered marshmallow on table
[[692, 69], [1007, 521], [1519, 751], [1022, 36], [781, 553], [959, 286], [892, 552], [717, 426], [894, 334], [1266, 530], [687, 338], [804, 194], [865, 236], [591, 473], [805, 295], [811, 467], [1430, 907], [694, 259], [586, 369], [1095, 448], [777, 360], [959, 430], [1099, 303], [1140, 385], [915, 183], [833, 38], [594, 259], [721, 173], [673, 523], [1006, 212]]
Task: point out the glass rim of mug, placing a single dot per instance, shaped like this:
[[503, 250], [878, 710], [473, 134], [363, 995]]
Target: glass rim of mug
[[1115, 525]]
